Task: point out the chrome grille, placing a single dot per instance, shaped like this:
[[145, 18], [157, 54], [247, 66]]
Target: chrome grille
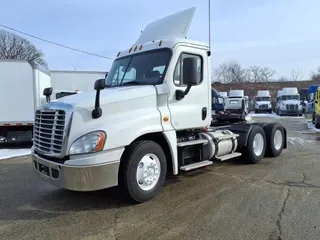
[[263, 106], [49, 131], [292, 107]]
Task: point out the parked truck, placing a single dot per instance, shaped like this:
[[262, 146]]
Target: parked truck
[[236, 102], [21, 92], [150, 116], [289, 103], [263, 102]]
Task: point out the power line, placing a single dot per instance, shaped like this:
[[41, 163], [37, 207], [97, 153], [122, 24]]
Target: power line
[[54, 43]]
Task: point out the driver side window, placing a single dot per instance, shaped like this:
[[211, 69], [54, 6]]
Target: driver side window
[[177, 75]]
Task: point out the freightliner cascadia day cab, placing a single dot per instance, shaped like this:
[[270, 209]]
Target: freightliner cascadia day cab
[[150, 116], [263, 102], [289, 102]]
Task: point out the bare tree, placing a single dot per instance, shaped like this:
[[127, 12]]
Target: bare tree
[[256, 74], [13, 46], [296, 74], [283, 79], [315, 76], [230, 72], [267, 74]]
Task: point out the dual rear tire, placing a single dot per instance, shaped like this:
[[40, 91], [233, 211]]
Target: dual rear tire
[[268, 140]]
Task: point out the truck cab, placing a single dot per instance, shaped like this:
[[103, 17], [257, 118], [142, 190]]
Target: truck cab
[[236, 102], [263, 102], [290, 103], [150, 115], [217, 102]]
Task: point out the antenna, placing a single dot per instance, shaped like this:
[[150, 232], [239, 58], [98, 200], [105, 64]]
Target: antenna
[[209, 24]]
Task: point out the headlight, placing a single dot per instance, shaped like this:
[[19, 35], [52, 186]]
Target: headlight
[[300, 106], [91, 142]]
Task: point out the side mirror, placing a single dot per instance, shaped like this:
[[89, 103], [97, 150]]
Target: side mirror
[[189, 76], [47, 92], [189, 72], [99, 85]]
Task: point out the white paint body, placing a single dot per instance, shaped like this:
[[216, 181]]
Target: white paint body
[[21, 90], [133, 111], [289, 92], [234, 101], [263, 105]]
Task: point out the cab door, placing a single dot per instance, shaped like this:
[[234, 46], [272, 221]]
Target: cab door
[[194, 110]]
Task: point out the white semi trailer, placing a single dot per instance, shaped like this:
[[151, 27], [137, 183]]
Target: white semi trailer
[[151, 115], [66, 83], [21, 92]]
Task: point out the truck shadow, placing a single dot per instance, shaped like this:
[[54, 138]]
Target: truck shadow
[[59, 202]]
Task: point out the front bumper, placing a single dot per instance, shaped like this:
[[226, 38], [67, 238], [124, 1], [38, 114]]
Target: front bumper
[[288, 112], [79, 178]]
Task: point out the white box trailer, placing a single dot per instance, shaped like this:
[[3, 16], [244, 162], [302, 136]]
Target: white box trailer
[[65, 83], [21, 92]]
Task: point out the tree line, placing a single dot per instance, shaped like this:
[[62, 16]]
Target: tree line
[[13, 46], [233, 72]]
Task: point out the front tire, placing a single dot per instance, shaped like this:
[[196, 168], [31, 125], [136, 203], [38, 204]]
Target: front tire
[[144, 170], [275, 139], [256, 146]]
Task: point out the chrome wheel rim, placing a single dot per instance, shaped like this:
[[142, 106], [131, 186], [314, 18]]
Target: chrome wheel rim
[[148, 172]]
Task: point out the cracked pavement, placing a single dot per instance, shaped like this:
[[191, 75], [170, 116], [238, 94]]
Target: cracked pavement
[[276, 199]]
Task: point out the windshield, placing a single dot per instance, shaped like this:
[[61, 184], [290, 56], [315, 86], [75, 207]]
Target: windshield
[[290, 97], [147, 68], [258, 99]]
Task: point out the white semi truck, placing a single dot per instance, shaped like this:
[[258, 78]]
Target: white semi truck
[[21, 91], [263, 102], [289, 102], [237, 102], [150, 116]]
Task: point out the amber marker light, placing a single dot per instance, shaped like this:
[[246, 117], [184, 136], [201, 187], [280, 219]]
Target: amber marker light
[[100, 142]]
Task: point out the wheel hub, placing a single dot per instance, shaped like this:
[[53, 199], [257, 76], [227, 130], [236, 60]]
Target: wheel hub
[[277, 140], [148, 172], [258, 144]]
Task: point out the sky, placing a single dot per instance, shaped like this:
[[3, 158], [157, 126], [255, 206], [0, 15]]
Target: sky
[[281, 34]]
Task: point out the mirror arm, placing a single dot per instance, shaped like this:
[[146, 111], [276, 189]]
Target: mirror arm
[[181, 94], [97, 111]]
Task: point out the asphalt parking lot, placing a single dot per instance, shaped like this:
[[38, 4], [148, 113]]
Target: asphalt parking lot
[[276, 199]]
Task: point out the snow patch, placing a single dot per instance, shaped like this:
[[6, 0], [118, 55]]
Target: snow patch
[[272, 115], [293, 140], [11, 153]]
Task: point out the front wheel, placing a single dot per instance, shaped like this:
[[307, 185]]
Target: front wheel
[[144, 170], [256, 146]]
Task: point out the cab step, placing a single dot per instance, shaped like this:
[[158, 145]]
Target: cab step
[[229, 156], [196, 165], [192, 142]]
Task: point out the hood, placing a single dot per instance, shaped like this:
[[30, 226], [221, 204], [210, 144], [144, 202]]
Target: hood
[[262, 102], [86, 100], [291, 102]]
